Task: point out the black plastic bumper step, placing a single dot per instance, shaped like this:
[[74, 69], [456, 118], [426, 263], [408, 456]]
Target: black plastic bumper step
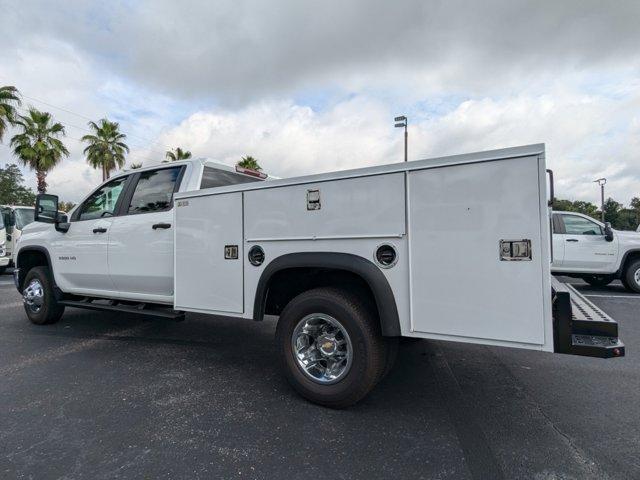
[[581, 328]]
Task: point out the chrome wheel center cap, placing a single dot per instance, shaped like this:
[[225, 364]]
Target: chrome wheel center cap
[[327, 345]]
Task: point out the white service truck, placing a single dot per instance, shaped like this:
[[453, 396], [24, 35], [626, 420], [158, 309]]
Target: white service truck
[[586, 248], [455, 248]]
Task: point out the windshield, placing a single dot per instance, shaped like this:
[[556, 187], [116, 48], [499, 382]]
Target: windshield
[[24, 216]]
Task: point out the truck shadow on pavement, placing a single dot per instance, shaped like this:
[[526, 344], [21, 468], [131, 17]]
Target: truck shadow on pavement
[[207, 394]]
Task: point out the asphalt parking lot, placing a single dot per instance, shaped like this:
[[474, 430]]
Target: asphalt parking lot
[[117, 396]]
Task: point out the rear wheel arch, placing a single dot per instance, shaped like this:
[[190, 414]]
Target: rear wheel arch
[[283, 277]]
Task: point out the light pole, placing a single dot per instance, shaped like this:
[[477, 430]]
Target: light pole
[[402, 122], [601, 182]]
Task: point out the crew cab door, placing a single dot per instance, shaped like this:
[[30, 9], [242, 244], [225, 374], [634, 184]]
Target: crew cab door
[[80, 254], [141, 239], [585, 246]]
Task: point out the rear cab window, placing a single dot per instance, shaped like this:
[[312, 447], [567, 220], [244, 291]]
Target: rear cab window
[[212, 177], [154, 191]]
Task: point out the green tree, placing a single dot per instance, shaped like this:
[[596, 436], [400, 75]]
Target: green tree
[[106, 148], [579, 206], [635, 207], [177, 154], [612, 211], [9, 100], [12, 188], [250, 163], [37, 145], [66, 206]]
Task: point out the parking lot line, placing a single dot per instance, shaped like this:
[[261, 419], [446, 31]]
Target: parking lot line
[[611, 296]]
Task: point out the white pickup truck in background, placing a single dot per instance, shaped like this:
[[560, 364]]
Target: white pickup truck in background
[[4, 258], [15, 218], [591, 250], [349, 261]]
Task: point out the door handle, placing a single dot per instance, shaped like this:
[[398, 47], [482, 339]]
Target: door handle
[[99, 230], [572, 240], [161, 225]]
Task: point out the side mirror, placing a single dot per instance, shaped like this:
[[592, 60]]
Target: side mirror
[[608, 233], [62, 222], [47, 211], [46, 208]]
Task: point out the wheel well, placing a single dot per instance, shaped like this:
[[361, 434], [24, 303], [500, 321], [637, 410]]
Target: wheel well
[[631, 257], [289, 275], [286, 284], [27, 260]]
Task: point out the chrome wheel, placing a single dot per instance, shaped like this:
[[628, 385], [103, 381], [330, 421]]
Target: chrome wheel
[[636, 277], [33, 296], [322, 348]]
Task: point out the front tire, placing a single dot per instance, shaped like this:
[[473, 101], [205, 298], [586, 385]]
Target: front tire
[[631, 277], [331, 348], [598, 280], [39, 300]]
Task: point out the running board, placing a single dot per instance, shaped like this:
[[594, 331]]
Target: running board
[[581, 328], [152, 310]]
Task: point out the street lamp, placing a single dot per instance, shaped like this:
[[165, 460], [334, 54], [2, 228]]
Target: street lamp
[[601, 182], [400, 123]]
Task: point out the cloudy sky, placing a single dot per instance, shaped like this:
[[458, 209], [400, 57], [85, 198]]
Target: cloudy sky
[[310, 86]]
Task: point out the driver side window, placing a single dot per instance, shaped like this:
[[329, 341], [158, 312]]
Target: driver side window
[[575, 225], [102, 203]]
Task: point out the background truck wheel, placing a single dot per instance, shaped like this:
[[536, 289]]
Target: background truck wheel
[[39, 299], [598, 280], [631, 277], [331, 348]]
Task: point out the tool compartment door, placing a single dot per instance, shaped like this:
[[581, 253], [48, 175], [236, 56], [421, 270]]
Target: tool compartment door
[[208, 254], [460, 288]]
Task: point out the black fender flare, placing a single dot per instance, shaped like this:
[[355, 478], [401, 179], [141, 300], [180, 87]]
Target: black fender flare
[[367, 270], [33, 248], [625, 256]]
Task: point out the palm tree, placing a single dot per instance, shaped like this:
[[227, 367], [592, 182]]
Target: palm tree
[[135, 166], [9, 100], [250, 163], [177, 154], [38, 146], [106, 147]]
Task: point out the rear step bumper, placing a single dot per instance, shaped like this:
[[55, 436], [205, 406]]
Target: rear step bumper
[[581, 328]]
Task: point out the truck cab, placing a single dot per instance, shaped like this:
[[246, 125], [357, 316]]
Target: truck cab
[[586, 248], [118, 241]]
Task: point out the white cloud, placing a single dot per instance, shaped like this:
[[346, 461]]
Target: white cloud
[[587, 136], [312, 87]]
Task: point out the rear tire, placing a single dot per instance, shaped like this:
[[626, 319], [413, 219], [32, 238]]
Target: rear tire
[[308, 324], [631, 277], [598, 280], [39, 299]]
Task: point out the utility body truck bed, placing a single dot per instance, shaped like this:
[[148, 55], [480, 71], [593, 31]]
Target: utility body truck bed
[[455, 248]]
